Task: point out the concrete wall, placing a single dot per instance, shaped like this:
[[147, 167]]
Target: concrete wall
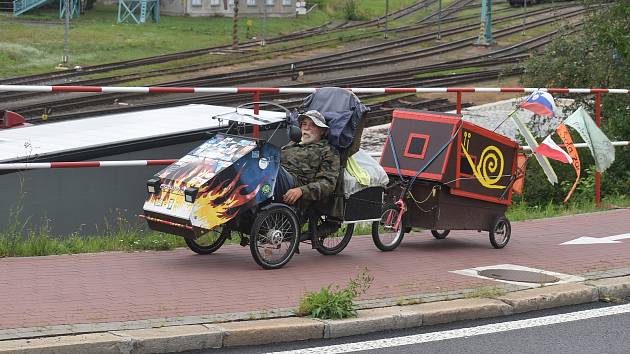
[[173, 7], [221, 8], [85, 200], [257, 10], [226, 8]]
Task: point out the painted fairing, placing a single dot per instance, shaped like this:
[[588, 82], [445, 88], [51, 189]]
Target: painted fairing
[[231, 174]]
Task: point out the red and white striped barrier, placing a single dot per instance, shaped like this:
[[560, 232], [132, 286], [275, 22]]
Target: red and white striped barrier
[[45, 165], [110, 89], [82, 164]]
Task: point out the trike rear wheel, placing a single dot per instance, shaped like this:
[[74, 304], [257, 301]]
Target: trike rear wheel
[[385, 237], [501, 232], [208, 242], [274, 237], [335, 242], [440, 235]]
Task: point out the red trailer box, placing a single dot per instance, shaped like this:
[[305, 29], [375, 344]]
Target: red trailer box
[[461, 174]]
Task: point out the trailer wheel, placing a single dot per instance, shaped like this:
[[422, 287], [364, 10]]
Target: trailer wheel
[[440, 235], [274, 237], [500, 233], [208, 242], [335, 242], [383, 234]]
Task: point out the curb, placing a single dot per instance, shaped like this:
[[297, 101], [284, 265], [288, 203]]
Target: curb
[[230, 334]]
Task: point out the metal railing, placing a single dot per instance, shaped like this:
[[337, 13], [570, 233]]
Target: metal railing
[[21, 6]]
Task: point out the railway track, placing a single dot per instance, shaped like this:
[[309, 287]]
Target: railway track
[[400, 78], [93, 69], [119, 79], [234, 99], [56, 78], [267, 73]]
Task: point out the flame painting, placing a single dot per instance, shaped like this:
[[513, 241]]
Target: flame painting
[[213, 205]]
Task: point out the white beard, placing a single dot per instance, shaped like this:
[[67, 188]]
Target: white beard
[[309, 139]]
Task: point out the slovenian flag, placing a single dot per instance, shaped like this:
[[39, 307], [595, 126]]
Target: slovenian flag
[[551, 150], [540, 102]]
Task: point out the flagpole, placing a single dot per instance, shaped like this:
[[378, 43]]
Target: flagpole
[[598, 175]]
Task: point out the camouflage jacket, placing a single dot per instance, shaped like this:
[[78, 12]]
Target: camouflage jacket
[[315, 167]]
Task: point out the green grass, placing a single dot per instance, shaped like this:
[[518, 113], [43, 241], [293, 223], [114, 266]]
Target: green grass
[[96, 37], [37, 244], [17, 241], [523, 211]]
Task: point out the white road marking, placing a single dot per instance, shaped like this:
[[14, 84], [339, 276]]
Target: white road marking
[[474, 272], [464, 332], [593, 240]]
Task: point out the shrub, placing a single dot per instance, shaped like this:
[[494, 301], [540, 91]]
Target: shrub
[[350, 10], [338, 303]]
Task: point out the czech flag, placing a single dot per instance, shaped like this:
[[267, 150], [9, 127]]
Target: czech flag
[[551, 150], [540, 102]]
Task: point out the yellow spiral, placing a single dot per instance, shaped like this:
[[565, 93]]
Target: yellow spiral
[[491, 165], [491, 160]]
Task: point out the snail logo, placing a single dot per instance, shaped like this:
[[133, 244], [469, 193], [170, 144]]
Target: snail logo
[[489, 170]]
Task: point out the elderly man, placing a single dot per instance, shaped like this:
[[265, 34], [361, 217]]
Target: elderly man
[[309, 169]]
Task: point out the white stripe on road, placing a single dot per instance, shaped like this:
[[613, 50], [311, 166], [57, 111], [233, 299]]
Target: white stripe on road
[[465, 332]]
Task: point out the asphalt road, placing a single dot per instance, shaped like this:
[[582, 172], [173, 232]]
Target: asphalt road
[[605, 334]]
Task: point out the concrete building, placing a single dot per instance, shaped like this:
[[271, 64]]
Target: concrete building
[[246, 8]]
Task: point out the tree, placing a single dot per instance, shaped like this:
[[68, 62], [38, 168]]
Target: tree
[[596, 55]]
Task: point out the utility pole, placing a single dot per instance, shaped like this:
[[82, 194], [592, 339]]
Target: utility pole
[[386, 16], [439, 34], [264, 24], [524, 16], [66, 33], [485, 30], [234, 26]]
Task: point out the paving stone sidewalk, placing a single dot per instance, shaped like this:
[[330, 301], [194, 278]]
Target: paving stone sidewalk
[[146, 288]]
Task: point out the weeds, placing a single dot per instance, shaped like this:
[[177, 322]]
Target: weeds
[[18, 241], [403, 300], [338, 303], [485, 292], [611, 299], [350, 10]]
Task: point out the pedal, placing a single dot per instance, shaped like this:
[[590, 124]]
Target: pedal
[[305, 236]]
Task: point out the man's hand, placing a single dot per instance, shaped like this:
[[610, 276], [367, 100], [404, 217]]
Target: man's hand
[[292, 195]]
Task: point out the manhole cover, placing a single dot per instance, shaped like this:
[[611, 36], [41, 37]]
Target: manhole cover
[[523, 276]]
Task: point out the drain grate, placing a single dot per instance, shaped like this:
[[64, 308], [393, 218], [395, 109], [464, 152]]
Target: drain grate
[[522, 276]]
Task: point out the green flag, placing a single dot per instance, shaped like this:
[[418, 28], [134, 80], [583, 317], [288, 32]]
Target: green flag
[[602, 149]]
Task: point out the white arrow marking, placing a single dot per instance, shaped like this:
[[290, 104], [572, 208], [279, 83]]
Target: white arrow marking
[[594, 240]]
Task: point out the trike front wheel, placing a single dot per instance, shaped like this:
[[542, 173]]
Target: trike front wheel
[[274, 237], [384, 233], [210, 241]]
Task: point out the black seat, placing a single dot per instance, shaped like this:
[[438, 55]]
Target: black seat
[[344, 114]]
